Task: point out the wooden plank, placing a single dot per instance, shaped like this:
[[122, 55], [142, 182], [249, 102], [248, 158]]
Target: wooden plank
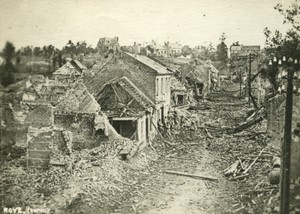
[[192, 175], [249, 167]]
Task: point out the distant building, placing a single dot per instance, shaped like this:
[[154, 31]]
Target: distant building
[[136, 48], [173, 49], [241, 50], [70, 71], [167, 50], [160, 50], [108, 45]]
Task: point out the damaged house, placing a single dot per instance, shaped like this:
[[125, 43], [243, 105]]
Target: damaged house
[[162, 82], [78, 120], [15, 105], [128, 109], [150, 85], [108, 45], [179, 93], [202, 77], [69, 72]]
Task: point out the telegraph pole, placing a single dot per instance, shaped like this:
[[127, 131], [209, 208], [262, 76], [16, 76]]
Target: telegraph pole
[[240, 82], [249, 82], [286, 147]]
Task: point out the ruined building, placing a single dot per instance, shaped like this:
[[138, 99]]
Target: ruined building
[[202, 77], [140, 91], [108, 45]]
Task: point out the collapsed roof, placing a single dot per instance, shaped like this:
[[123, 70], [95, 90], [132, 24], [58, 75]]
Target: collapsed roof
[[78, 100], [73, 67]]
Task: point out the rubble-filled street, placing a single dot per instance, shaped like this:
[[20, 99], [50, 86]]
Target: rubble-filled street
[[203, 187], [176, 174]]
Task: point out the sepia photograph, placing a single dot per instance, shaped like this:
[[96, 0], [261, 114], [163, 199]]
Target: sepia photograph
[[150, 107]]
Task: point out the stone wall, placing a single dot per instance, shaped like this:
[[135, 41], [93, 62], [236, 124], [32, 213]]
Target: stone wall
[[295, 147], [275, 128], [275, 120], [39, 141], [39, 135]]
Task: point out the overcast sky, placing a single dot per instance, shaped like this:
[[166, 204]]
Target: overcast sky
[[193, 22]]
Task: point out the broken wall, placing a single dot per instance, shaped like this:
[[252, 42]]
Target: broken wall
[[13, 129], [39, 145], [275, 119], [40, 135], [82, 128]]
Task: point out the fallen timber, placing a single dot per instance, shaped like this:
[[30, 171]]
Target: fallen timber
[[191, 175], [257, 117]]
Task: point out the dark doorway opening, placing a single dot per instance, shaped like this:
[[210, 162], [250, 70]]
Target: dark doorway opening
[[180, 99], [126, 128]]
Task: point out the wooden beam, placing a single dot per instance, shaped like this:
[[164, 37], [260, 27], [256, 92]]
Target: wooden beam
[[192, 175]]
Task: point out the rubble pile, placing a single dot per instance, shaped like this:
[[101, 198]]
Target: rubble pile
[[247, 163], [97, 183], [22, 187], [88, 179]]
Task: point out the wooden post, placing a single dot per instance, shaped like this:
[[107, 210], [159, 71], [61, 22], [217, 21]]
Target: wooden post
[[286, 147], [240, 82], [249, 79]]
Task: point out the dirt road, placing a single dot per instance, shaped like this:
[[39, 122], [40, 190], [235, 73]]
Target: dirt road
[[168, 194], [172, 194]]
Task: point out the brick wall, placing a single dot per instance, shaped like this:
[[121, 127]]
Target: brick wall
[[39, 136], [39, 141]]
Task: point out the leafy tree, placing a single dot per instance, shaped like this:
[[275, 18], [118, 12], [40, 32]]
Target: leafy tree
[[7, 70], [27, 51], [278, 44], [222, 50], [186, 50], [237, 43], [8, 51], [291, 14], [37, 51], [81, 47], [204, 52], [59, 59], [70, 48]]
